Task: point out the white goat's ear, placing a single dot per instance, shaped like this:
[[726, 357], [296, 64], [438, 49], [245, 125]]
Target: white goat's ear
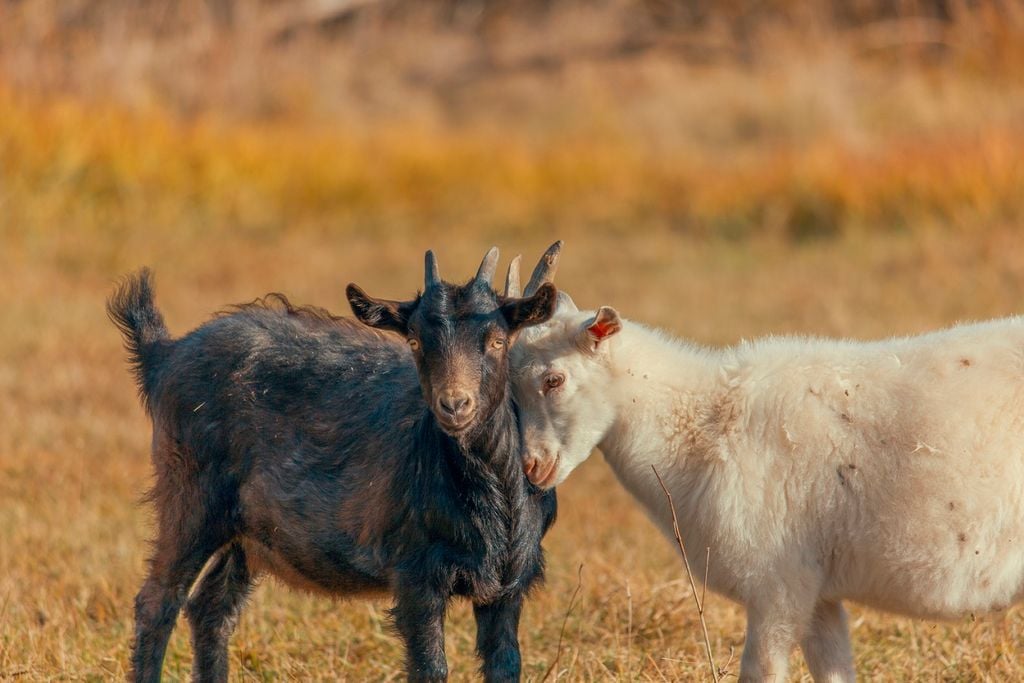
[[605, 323]]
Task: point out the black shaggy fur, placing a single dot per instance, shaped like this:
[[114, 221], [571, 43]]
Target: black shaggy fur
[[291, 442]]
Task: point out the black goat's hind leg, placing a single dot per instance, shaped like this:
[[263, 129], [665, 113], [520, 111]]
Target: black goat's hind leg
[[497, 638], [178, 559], [212, 612], [156, 609]]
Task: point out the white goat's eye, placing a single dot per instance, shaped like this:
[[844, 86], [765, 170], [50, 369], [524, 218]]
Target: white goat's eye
[[413, 344], [553, 381]]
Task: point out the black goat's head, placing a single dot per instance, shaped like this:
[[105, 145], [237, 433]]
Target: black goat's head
[[460, 336]]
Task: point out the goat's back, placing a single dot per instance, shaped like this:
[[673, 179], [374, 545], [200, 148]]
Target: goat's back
[[898, 464]]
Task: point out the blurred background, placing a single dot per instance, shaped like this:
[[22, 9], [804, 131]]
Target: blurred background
[[720, 169]]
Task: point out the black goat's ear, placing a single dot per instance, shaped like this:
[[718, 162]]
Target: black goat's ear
[[382, 314], [531, 310]]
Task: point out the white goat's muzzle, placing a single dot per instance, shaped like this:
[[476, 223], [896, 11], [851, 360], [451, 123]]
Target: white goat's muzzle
[[541, 469]]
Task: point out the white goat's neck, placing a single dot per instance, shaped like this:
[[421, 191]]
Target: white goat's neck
[[667, 394], [673, 412]]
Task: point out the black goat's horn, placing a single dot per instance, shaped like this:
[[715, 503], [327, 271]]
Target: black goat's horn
[[545, 270], [430, 266], [488, 266]]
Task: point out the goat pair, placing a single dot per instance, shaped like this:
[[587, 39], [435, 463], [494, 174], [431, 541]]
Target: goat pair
[[816, 471], [341, 460]]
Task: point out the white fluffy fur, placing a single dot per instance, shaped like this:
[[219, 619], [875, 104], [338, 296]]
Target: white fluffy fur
[[889, 473]]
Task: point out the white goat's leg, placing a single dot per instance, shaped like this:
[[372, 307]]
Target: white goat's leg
[[826, 646], [773, 630]]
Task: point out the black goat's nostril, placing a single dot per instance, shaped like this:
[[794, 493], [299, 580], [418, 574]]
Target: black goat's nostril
[[454, 404]]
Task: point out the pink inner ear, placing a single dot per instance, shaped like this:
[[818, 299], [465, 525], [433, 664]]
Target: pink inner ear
[[600, 329]]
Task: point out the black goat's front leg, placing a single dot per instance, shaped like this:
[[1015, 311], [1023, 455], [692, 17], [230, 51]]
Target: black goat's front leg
[[497, 638], [419, 617]]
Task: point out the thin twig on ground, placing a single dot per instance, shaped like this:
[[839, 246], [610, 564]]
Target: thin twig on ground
[[629, 632], [707, 568], [565, 620], [689, 575]]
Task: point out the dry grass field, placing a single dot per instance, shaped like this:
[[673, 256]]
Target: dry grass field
[[861, 185]]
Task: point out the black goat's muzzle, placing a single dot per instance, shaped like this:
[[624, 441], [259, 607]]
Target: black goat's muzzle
[[455, 409]]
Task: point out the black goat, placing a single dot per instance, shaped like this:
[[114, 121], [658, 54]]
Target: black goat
[[342, 460]]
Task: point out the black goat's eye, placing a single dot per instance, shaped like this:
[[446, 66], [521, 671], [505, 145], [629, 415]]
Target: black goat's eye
[[498, 343], [553, 381], [414, 344]]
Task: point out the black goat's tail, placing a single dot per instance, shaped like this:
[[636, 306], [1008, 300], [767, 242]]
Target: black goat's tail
[[146, 338]]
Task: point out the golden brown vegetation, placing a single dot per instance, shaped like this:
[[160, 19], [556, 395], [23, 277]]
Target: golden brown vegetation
[[863, 180], [74, 442]]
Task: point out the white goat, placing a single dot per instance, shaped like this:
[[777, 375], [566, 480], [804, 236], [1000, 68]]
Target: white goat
[[888, 473]]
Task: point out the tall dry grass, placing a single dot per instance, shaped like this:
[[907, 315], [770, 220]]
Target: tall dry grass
[[792, 121], [69, 163]]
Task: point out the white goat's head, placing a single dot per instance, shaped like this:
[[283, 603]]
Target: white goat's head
[[562, 381]]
